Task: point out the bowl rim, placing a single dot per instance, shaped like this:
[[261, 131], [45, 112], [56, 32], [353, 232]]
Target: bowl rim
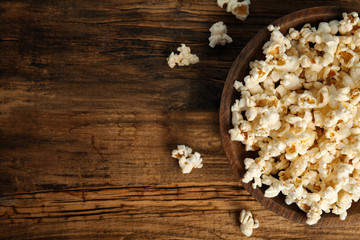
[[298, 18]]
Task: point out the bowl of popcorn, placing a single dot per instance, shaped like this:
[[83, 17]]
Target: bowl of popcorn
[[290, 116]]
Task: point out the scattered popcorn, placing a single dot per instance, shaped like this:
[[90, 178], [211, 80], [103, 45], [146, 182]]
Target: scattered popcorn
[[187, 159], [239, 9], [300, 109], [219, 35], [247, 223], [184, 58]]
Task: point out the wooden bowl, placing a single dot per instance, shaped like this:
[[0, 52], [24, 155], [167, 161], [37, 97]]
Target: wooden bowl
[[235, 151]]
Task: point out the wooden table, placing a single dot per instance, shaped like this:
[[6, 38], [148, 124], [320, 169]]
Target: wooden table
[[90, 112]]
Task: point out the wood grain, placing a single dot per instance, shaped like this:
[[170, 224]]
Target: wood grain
[[90, 111], [190, 211]]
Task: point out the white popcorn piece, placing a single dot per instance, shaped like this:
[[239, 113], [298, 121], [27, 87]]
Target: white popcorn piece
[[347, 57], [237, 118], [247, 223], [349, 21], [307, 100], [324, 27], [187, 159], [334, 26], [313, 215], [294, 34], [239, 9], [274, 189], [292, 82], [343, 204], [254, 171], [251, 113], [219, 35], [305, 61], [323, 97], [330, 195], [242, 135], [239, 86], [300, 108], [298, 166], [269, 120], [342, 172], [181, 151], [184, 58]]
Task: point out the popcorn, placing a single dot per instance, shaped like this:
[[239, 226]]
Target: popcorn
[[294, 34], [182, 151], [187, 159], [239, 9], [183, 58], [219, 35], [342, 172], [247, 223], [254, 171], [348, 23], [274, 189], [343, 203], [313, 215], [334, 26], [298, 166], [251, 113], [269, 120], [323, 97], [291, 82], [307, 100], [347, 57], [300, 109]]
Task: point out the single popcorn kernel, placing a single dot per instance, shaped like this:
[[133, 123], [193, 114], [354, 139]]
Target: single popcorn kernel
[[219, 35], [302, 114], [239, 9], [247, 223], [184, 58], [187, 159]]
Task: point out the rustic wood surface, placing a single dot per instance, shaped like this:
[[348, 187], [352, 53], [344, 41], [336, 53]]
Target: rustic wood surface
[[90, 111]]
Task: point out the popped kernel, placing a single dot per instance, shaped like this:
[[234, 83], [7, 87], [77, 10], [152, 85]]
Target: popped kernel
[[184, 58], [219, 35], [187, 159], [247, 223], [239, 9]]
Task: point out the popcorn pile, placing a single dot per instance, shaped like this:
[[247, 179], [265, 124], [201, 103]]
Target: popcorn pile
[[187, 159], [183, 58], [300, 108], [247, 223], [239, 9]]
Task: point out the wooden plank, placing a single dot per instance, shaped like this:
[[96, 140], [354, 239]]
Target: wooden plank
[[52, 151], [179, 210]]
